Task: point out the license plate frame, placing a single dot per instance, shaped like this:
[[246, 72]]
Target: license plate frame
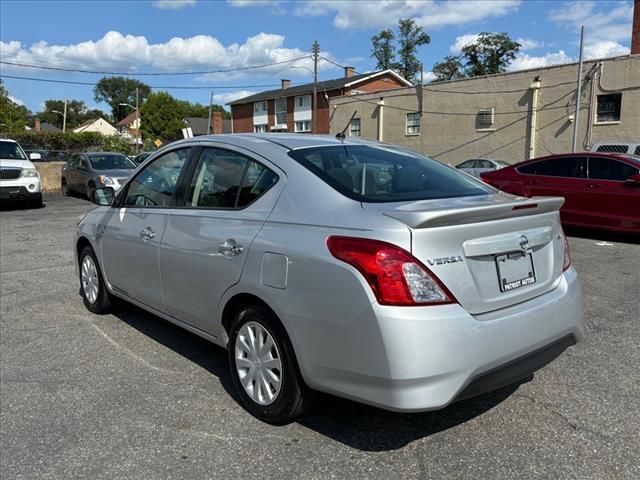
[[515, 270]]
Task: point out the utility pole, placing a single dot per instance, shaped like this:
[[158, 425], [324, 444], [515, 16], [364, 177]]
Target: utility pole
[[314, 105], [64, 117], [138, 119], [210, 106], [578, 95]]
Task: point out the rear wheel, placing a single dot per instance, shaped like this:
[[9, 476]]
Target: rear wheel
[[95, 295], [264, 368]]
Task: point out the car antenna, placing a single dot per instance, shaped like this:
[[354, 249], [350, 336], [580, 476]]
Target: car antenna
[[341, 135]]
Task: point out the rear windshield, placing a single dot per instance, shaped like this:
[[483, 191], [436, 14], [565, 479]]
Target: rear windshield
[[385, 174], [111, 162], [11, 150]]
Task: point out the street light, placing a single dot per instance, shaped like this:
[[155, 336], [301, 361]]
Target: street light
[[137, 118], [63, 115]]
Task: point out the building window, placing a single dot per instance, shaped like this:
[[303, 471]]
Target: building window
[[303, 126], [609, 108], [260, 128], [354, 129], [303, 101], [259, 107], [413, 124], [485, 117], [281, 111]]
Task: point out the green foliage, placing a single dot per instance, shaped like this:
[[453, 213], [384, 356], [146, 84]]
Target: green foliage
[[13, 117], [77, 113], [491, 53], [72, 142], [410, 37], [117, 90], [162, 117]]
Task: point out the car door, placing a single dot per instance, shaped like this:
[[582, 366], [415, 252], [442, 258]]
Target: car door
[[82, 174], [559, 177], [609, 200], [132, 231], [227, 200], [70, 171]]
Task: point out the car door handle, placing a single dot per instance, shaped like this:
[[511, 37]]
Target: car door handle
[[147, 234], [230, 248]]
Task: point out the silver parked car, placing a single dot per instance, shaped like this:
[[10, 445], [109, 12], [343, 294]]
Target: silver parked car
[[476, 166], [84, 172], [356, 268]]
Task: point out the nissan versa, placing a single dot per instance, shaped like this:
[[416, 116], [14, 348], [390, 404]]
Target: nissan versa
[[338, 265]]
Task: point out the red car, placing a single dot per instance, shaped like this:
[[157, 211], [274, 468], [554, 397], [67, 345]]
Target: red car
[[601, 190]]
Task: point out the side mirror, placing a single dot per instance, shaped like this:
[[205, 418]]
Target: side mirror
[[35, 156], [103, 196], [633, 180]]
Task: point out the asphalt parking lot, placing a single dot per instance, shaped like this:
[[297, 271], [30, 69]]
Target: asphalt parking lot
[[132, 396]]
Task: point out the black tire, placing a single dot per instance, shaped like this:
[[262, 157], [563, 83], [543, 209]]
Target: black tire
[[64, 186], [104, 301], [294, 396]]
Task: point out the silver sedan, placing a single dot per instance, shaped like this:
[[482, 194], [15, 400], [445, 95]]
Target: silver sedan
[[337, 265]]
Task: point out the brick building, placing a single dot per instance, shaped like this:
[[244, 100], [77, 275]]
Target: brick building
[[288, 109]]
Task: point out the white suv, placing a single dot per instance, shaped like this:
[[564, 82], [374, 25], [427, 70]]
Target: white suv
[[19, 179]]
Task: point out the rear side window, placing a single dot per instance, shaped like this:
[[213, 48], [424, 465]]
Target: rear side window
[[609, 169], [226, 179], [555, 167], [384, 174], [637, 151], [613, 148]]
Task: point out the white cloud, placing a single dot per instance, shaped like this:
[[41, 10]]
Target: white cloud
[[226, 97], [462, 41], [15, 100], [428, 13], [172, 4], [116, 51], [524, 61], [606, 24], [529, 44], [428, 77]]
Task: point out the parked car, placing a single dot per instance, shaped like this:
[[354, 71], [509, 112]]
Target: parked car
[[19, 179], [632, 148], [601, 190], [346, 266], [476, 166], [141, 157], [84, 172]]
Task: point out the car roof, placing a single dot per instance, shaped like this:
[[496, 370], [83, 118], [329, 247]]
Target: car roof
[[617, 156], [95, 154], [7, 140]]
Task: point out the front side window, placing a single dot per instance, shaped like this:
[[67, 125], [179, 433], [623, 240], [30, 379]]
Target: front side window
[[413, 123], [385, 174], [609, 108], [219, 176], [303, 126], [612, 148], [355, 128], [111, 162], [609, 169], [570, 167], [155, 184], [281, 111]]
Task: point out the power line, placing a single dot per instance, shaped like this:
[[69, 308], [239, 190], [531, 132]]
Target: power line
[[157, 87], [104, 72]]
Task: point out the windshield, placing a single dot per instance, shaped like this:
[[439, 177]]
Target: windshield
[[11, 150], [386, 174], [111, 162]]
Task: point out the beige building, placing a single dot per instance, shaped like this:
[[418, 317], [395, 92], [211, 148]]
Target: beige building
[[511, 116], [99, 125]]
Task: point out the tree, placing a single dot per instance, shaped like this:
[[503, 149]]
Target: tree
[[117, 90], [491, 53], [410, 36], [161, 116], [383, 49], [77, 113], [13, 117], [450, 68]]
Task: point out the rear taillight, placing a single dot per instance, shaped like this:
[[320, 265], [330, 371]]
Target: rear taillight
[[566, 263], [395, 276]]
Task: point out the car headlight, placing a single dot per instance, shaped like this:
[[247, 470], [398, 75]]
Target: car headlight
[[29, 172], [103, 179]]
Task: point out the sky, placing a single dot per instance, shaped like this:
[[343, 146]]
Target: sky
[[182, 41]]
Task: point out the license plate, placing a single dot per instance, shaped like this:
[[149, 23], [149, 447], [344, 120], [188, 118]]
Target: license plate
[[515, 270]]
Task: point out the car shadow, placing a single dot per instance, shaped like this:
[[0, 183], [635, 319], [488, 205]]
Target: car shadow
[[358, 426], [12, 205], [606, 235]]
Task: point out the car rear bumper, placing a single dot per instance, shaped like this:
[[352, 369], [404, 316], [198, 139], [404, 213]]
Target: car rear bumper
[[424, 358]]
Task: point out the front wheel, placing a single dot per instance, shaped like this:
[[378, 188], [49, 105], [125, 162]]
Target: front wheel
[[95, 295], [264, 369]]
